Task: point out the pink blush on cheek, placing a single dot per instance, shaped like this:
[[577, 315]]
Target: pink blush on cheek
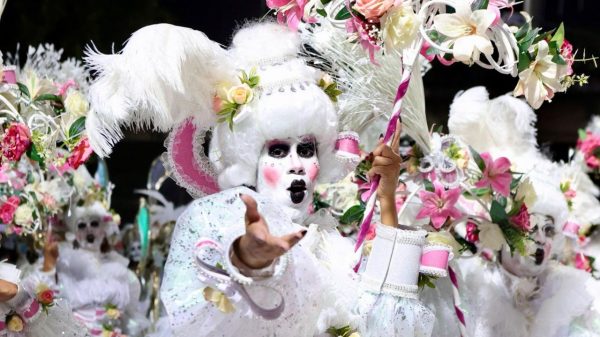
[[313, 172], [271, 176]]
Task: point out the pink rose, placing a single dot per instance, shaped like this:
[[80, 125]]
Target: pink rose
[[7, 210], [373, 9], [570, 194], [583, 262], [16, 141], [566, 51], [472, 232], [80, 154], [521, 220], [589, 147]]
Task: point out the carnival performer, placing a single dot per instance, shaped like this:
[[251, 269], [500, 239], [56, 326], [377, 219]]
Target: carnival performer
[[536, 295], [86, 272], [30, 309], [250, 258]]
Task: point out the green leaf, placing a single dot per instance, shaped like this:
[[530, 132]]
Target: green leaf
[[524, 61], [478, 160], [426, 280], [480, 4], [325, 2], [23, 89], [77, 128], [498, 214], [582, 134], [354, 214], [515, 239], [428, 185], [440, 129], [322, 12], [343, 14], [559, 35], [558, 59], [48, 97], [318, 203], [516, 207], [34, 155]]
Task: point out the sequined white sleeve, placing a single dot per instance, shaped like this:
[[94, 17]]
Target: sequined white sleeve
[[196, 308]]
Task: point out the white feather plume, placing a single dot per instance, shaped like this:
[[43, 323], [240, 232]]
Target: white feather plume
[[2, 5], [163, 75], [368, 90]]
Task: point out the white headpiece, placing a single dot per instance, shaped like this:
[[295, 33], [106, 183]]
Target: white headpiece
[[168, 76]]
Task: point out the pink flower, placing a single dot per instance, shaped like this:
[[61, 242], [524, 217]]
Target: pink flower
[[472, 232], [521, 220], [63, 88], [16, 141], [292, 13], [583, 262], [373, 9], [80, 154], [362, 29], [496, 174], [439, 205], [570, 194], [589, 147], [7, 210], [566, 51]]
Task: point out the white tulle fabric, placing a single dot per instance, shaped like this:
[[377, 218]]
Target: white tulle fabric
[[498, 304], [439, 300], [90, 281], [308, 291], [58, 321]]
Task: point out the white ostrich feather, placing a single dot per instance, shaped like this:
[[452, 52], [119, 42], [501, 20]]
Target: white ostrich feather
[[163, 75], [369, 90], [163, 212]]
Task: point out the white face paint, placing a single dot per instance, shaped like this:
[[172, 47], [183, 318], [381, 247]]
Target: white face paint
[[538, 249], [288, 170], [90, 233]]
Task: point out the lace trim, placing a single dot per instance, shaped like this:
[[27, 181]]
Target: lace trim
[[432, 271], [201, 161], [410, 237], [386, 232], [397, 290]]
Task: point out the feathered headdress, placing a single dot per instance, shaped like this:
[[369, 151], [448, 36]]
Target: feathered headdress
[[175, 78]]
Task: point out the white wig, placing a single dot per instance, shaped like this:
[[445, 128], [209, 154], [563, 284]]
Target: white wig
[[290, 105]]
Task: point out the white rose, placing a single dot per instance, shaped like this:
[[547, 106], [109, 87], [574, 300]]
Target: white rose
[[490, 236], [76, 103], [240, 94], [400, 27], [24, 215]]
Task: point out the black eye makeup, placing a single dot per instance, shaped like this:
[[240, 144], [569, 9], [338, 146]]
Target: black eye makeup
[[81, 225], [549, 231], [95, 224], [306, 150], [279, 150]]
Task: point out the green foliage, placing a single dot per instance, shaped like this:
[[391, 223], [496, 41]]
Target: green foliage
[[478, 160], [343, 14], [426, 280], [353, 215], [318, 203]]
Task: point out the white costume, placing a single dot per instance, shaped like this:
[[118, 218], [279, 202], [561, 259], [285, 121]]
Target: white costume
[[102, 291], [521, 295], [280, 138]]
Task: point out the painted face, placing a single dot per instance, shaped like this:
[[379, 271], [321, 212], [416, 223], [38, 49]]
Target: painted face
[[288, 170], [90, 233], [538, 249]]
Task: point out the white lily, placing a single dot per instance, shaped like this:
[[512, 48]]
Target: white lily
[[542, 79], [466, 31]]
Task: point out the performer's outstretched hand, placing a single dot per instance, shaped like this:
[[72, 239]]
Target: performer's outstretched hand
[[258, 247]]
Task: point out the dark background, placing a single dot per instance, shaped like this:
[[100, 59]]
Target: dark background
[[73, 24]]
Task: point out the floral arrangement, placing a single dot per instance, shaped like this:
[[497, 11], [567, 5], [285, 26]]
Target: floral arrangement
[[588, 145], [229, 99], [345, 331], [42, 113], [466, 31]]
